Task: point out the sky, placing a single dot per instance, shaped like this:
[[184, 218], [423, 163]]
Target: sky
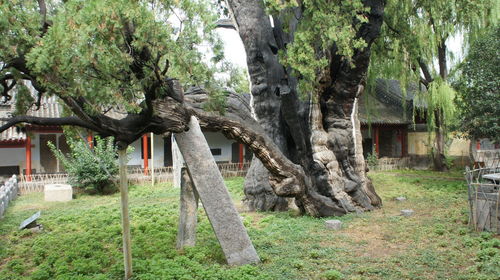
[[234, 50]]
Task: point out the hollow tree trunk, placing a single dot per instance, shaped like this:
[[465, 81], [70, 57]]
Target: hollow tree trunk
[[320, 137]]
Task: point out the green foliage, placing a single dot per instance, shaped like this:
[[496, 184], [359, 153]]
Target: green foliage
[[333, 275], [478, 87], [87, 51], [82, 238], [440, 96], [372, 159], [412, 33], [92, 170], [322, 24]]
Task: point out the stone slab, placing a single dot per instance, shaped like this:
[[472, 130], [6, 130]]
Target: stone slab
[[333, 224], [215, 197], [400, 198], [407, 212], [30, 220], [58, 192]]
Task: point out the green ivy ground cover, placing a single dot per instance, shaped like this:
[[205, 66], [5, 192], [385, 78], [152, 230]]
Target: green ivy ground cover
[[82, 239]]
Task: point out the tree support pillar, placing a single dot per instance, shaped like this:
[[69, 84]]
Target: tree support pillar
[[213, 193], [127, 251], [186, 235]]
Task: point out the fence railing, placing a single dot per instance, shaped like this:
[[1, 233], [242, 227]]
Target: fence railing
[[36, 182], [389, 164], [8, 192], [484, 199]]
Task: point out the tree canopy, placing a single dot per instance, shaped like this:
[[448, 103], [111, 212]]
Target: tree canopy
[[478, 88]]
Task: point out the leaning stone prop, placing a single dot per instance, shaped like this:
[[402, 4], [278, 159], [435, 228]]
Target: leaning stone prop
[[214, 196], [186, 235]]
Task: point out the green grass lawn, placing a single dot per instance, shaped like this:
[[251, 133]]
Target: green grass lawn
[[82, 238]]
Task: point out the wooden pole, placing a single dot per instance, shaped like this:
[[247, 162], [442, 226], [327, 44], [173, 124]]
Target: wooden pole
[[152, 159], [376, 141], [145, 152], [28, 158], [127, 253]]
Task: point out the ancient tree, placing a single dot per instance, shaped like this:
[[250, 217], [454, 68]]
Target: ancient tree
[[308, 62]]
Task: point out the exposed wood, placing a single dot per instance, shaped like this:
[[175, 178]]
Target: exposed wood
[[127, 243]]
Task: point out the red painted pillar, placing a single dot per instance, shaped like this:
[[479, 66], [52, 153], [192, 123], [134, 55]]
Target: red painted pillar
[[376, 140], [478, 145], [90, 140], [241, 156], [145, 152], [28, 158]]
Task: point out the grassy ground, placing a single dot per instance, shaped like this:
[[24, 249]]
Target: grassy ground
[[82, 238]]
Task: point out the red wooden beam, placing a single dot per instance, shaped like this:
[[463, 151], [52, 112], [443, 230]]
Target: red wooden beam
[[28, 158], [376, 140], [145, 152], [241, 156], [16, 144]]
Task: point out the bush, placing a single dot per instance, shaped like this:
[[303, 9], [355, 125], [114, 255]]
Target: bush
[[372, 159], [92, 170]]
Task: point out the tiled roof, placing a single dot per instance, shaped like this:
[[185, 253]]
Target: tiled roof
[[49, 108], [387, 105]]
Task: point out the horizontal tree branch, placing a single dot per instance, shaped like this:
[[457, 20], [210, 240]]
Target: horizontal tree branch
[[46, 122]]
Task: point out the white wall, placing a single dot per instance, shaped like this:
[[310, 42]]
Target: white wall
[[218, 141], [158, 157], [12, 156]]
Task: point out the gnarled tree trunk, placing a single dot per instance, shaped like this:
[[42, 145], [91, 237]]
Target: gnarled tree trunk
[[318, 136]]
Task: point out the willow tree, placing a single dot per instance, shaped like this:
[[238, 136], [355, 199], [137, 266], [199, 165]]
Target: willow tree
[[126, 56], [414, 48]]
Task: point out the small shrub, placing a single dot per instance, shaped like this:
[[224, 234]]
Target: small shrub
[[92, 170], [333, 275], [372, 159]]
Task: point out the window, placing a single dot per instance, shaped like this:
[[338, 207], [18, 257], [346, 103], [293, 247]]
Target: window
[[216, 152]]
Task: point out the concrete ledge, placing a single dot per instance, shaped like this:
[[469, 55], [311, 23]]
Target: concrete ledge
[[58, 192]]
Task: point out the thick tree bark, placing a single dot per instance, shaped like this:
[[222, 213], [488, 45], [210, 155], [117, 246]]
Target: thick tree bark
[[320, 137]]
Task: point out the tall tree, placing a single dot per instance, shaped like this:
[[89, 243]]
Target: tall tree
[[124, 56], [414, 48], [478, 88]]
